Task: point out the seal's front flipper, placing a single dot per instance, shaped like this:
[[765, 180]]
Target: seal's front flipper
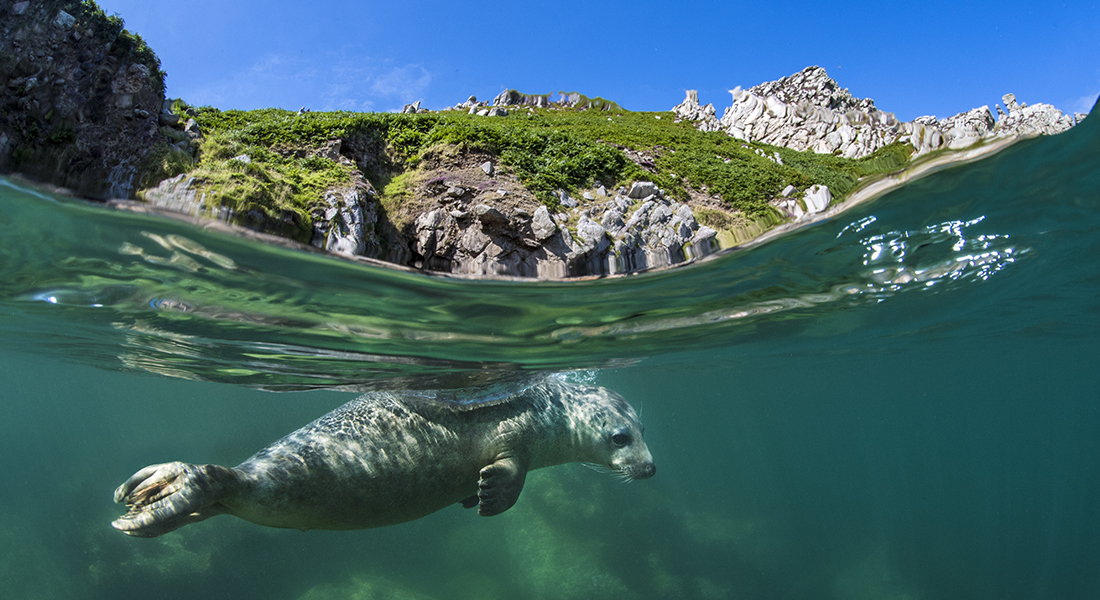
[[165, 497], [499, 487], [470, 502]]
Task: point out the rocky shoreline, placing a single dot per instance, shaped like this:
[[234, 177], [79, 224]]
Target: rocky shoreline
[[83, 100], [477, 223]]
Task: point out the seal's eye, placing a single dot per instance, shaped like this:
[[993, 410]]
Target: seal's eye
[[620, 439]]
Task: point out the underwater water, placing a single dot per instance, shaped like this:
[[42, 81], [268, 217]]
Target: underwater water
[[898, 403]]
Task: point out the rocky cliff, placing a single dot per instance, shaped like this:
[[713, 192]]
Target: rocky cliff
[[616, 232], [79, 97]]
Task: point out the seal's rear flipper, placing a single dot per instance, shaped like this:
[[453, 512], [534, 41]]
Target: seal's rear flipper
[[165, 497]]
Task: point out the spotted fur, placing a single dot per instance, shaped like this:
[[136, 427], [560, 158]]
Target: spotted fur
[[387, 458]]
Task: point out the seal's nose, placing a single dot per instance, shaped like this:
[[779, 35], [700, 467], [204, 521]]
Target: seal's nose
[[649, 470]]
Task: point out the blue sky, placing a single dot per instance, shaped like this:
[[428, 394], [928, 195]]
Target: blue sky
[[913, 58]]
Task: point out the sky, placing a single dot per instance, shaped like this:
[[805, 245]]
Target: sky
[[927, 57]]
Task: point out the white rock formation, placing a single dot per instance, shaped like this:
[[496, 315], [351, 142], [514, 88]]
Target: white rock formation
[[1040, 118], [815, 200], [810, 111], [690, 110]]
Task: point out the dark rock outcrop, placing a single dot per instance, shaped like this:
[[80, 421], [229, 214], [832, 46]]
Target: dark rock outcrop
[[631, 231], [79, 97]]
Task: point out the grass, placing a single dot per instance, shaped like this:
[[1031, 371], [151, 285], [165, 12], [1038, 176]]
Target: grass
[[269, 182], [548, 149], [162, 161]]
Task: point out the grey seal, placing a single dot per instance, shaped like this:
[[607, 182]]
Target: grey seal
[[387, 458]]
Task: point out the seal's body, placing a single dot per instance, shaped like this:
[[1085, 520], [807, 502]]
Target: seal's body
[[388, 458]]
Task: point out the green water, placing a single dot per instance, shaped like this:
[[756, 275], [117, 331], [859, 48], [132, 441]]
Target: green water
[[898, 403]]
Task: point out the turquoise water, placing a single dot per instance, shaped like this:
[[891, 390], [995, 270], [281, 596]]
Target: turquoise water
[[898, 403]]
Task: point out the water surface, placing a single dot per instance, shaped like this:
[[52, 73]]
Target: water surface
[[898, 403]]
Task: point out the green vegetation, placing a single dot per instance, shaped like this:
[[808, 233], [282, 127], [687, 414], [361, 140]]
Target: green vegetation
[[268, 181], [547, 149], [841, 174]]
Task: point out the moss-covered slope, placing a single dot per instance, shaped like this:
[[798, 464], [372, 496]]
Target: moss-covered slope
[[546, 149]]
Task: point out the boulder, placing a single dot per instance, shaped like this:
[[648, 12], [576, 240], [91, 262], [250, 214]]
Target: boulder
[[565, 199], [683, 212], [613, 222], [514, 98], [817, 199], [591, 235], [542, 225], [642, 189], [507, 98], [640, 218], [473, 241], [705, 233], [660, 213], [489, 215], [63, 20], [178, 194]]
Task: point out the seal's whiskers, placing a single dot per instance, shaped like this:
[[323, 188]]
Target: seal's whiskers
[[599, 468], [620, 474]]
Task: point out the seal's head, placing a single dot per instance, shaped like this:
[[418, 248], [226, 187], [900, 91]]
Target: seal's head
[[614, 441]]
